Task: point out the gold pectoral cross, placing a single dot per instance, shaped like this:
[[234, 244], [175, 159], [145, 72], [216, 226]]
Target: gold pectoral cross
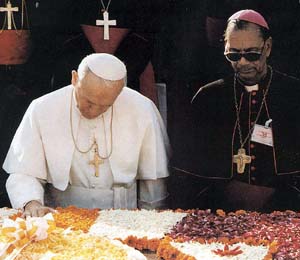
[[241, 159], [96, 161]]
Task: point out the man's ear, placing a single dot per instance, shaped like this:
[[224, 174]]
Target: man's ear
[[269, 43], [75, 78]]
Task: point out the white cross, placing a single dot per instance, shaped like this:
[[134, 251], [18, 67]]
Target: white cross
[[106, 22], [9, 11]]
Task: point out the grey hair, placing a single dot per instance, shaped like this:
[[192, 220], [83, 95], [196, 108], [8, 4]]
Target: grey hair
[[83, 70]]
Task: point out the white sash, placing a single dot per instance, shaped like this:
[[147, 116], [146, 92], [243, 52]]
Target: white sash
[[118, 197]]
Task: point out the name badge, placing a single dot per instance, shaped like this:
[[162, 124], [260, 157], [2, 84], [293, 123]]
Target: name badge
[[262, 134]]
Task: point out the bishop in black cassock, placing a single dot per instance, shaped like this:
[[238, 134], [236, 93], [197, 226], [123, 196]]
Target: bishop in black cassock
[[255, 111]]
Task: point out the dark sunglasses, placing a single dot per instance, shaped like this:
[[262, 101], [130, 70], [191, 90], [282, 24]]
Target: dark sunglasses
[[249, 56]]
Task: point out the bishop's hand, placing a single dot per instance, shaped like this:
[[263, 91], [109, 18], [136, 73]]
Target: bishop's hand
[[35, 209]]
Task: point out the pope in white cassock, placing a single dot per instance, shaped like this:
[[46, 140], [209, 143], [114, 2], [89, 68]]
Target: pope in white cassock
[[93, 144]]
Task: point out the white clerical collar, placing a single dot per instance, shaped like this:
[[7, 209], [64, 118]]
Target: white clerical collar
[[252, 88]]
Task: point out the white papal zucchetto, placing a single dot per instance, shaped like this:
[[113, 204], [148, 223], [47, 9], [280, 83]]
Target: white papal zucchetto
[[106, 66]]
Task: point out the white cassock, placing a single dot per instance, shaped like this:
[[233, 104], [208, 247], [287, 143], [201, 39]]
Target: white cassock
[[42, 159]]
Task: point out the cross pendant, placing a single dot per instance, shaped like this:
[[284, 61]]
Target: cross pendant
[[9, 10], [241, 159], [106, 23], [96, 161]]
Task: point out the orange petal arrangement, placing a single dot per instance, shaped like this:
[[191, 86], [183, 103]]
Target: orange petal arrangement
[[226, 251], [174, 235], [75, 218]]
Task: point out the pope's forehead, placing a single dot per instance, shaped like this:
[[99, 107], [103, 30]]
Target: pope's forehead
[[92, 83], [92, 77]]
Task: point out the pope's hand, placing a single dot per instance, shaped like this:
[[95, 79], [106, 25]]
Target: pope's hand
[[36, 209]]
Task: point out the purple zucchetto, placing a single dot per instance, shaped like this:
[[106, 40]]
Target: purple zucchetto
[[250, 16]]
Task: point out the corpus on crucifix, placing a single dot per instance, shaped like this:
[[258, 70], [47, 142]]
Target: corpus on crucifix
[[9, 9], [96, 161], [241, 159], [106, 23]]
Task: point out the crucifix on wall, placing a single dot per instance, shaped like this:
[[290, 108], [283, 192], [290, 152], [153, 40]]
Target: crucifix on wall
[[9, 9]]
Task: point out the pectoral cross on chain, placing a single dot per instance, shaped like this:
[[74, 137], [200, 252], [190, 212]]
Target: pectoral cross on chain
[[9, 9], [106, 23], [96, 161], [241, 159]]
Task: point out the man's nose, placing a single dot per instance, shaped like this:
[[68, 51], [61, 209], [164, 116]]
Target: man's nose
[[243, 61]]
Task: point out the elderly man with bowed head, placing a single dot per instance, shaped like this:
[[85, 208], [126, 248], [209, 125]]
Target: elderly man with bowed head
[[93, 144]]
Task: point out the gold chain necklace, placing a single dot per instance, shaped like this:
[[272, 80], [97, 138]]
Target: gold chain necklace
[[241, 159], [94, 142]]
